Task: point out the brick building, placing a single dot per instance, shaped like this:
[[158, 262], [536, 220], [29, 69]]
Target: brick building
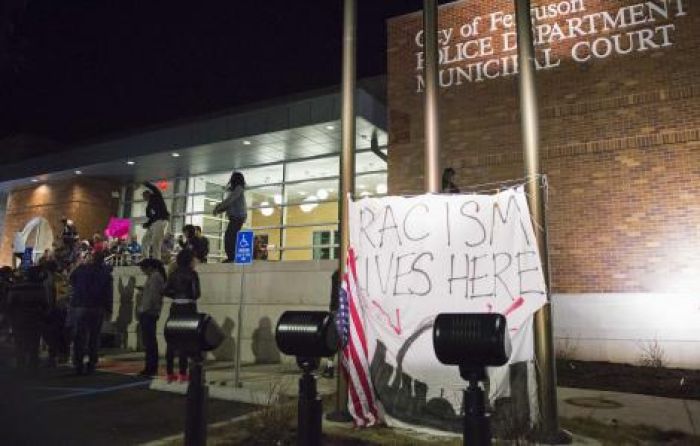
[[619, 102]]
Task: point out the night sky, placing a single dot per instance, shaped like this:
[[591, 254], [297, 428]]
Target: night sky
[[77, 70]]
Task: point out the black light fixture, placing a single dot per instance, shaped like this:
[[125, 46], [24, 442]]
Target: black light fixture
[[308, 335], [473, 341], [194, 335]]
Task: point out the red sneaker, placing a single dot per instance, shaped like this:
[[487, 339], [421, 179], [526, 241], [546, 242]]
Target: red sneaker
[[171, 377], [183, 378]]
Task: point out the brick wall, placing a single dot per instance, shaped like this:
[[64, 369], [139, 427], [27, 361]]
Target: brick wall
[[87, 201], [620, 142]]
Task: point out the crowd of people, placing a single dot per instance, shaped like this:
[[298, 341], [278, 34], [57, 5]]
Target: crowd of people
[[66, 296]]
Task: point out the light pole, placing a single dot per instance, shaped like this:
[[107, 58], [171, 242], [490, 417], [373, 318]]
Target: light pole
[[432, 128]]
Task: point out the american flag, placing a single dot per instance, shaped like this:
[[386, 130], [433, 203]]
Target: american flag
[[355, 364]]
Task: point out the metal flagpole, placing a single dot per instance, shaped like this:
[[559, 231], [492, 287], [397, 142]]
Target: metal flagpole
[[347, 169], [549, 431], [432, 128]]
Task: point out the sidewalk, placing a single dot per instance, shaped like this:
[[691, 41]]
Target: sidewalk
[[264, 384]]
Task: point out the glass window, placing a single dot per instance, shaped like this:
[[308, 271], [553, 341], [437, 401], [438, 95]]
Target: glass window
[[316, 168], [325, 245], [369, 162], [311, 191], [299, 242], [371, 185], [259, 176]]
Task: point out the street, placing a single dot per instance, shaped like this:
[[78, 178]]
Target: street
[[54, 406]]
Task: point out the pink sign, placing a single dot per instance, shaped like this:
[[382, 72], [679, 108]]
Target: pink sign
[[118, 228]]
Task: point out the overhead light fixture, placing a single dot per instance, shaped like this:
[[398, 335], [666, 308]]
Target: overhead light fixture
[[322, 194], [247, 143], [35, 180], [366, 194], [381, 188], [277, 198], [266, 210], [175, 155], [362, 186], [330, 127], [78, 172], [130, 162], [310, 204]]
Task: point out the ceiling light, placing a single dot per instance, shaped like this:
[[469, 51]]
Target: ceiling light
[[330, 127], [266, 210], [247, 143], [366, 194], [302, 193], [322, 194], [175, 155], [130, 162], [277, 198], [381, 188], [34, 180], [362, 186], [78, 172]]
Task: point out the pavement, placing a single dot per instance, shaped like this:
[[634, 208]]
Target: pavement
[[263, 384]]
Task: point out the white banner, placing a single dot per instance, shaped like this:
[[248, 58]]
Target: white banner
[[421, 256]]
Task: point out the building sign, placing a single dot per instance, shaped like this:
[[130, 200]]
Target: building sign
[[414, 258], [484, 47]]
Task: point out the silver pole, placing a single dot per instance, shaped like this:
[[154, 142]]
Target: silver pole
[[432, 128], [549, 429], [239, 339], [347, 166]]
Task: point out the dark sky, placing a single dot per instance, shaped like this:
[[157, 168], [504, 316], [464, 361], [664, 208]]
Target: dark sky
[[82, 69]]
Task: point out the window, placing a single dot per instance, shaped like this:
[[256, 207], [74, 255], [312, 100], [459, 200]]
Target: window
[[326, 245]]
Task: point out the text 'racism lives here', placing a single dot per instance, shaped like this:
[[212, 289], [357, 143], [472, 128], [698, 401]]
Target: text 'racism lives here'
[[485, 46], [450, 246]]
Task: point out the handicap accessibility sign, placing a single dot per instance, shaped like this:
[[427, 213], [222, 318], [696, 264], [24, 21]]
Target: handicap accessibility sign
[[244, 247]]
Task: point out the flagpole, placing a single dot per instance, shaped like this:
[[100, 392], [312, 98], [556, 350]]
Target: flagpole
[[347, 174], [549, 431], [432, 127]]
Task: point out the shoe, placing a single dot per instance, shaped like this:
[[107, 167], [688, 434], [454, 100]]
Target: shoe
[[171, 378], [183, 378]]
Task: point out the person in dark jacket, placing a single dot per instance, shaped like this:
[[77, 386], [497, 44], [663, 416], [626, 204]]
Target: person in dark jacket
[[28, 303], [91, 301], [149, 312], [448, 181], [183, 288], [197, 244], [234, 205], [157, 223]]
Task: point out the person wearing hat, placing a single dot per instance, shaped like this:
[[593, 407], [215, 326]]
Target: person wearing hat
[[149, 312]]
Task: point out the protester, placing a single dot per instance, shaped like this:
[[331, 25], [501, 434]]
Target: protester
[[167, 248], [6, 280], [158, 217], [98, 243], [54, 332], [149, 312], [92, 299], [69, 234], [448, 184], [134, 249], [234, 205], [204, 242], [198, 245], [28, 303], [183, 288]]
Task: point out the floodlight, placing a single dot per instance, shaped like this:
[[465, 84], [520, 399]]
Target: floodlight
[[193, 334], [471, 339], [309, 334]]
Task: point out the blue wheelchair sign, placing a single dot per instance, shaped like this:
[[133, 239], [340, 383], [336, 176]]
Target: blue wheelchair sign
[[244, 248]]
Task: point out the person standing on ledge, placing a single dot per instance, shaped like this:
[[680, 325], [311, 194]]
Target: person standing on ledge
[[448, 182], [235, 207], [158, 217]]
